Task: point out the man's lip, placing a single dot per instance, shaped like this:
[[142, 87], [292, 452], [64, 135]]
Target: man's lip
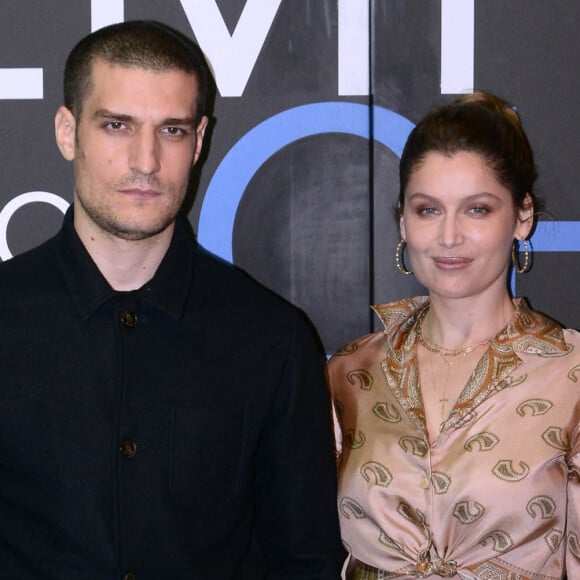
[[138, 192]]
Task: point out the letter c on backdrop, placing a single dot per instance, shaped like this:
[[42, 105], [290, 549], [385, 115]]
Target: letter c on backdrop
[[16, 203]]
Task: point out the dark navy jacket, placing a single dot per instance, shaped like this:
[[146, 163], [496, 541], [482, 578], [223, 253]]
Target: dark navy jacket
[[181, 431]]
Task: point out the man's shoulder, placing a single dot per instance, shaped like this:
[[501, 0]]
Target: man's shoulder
[[236, 289], [28, 266]]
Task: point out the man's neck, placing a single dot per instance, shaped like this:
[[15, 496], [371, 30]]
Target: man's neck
[[125, 264]]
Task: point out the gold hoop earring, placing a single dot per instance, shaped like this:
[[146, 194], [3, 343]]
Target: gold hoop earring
[[518, 266], [399, 260]]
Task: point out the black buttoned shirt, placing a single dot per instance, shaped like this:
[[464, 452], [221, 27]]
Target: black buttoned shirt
[[178, 431]]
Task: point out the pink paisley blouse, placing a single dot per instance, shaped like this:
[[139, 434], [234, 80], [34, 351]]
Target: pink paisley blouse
[[497, 494]]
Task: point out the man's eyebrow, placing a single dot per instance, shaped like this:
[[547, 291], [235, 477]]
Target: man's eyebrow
[[111, 115], [189, 121], [106, 114]]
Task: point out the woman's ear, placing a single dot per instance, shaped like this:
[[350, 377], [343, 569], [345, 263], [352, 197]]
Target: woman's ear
[[65, 132], [525, 218]]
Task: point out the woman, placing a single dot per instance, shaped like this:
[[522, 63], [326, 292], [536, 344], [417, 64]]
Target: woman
[[459, 423]]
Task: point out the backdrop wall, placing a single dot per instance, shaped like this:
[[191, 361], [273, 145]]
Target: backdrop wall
[[315, 99]]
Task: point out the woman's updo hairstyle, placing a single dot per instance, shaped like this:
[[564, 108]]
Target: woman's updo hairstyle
[[480, 123]]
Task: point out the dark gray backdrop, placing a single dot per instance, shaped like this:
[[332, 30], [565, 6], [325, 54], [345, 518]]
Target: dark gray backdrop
[[315, 221]]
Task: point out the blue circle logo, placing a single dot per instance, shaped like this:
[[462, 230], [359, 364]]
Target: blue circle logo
[[236, 170]]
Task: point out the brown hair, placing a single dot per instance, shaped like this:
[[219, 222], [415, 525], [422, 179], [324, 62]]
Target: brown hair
[[480, 123], [139, 44]]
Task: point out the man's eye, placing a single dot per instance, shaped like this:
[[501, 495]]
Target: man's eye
[[115, 125], [175, 131]]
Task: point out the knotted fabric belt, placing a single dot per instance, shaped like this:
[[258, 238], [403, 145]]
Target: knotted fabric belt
[[362, 571]]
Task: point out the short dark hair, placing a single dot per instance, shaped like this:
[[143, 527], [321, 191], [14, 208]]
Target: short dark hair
[[480, 123], [143, 44]]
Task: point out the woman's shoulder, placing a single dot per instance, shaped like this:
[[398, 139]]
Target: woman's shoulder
[[397, 318], [572, 338], [534, 332], [395, 315], [358, 346]]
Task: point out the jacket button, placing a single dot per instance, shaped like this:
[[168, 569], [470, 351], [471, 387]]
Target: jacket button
[[129, 318], [128, 448]]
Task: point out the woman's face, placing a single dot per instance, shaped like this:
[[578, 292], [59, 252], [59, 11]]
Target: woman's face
[[459, 222]]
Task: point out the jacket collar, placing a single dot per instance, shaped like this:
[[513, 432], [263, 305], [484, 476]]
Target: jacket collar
[[167, 290]]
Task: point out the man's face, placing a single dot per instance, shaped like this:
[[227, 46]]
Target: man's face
[[133, 147]]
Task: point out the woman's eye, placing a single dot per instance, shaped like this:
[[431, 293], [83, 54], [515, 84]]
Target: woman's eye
[[427, 211], [479, 210]]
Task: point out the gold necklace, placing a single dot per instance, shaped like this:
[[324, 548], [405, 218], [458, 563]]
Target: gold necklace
[[443, 399], [443, 353], [441, 350]]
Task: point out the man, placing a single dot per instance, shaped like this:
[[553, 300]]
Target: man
[[161, 415]]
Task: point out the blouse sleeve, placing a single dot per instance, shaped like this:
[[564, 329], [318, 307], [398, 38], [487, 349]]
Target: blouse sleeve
[[573, 515], [336, 407], [337, 433]]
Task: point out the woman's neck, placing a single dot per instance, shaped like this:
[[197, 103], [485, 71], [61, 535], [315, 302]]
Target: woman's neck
[[461, 323]]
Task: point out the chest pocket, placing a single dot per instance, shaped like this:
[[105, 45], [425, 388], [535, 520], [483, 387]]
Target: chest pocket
[[207, 455]]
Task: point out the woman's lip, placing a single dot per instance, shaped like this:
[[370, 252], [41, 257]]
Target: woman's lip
[[451, 261]]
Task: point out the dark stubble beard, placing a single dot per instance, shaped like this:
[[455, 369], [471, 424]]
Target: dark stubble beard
[[111, 225]]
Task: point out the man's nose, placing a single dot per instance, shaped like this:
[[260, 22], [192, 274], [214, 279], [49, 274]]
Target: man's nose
[[144, 154]]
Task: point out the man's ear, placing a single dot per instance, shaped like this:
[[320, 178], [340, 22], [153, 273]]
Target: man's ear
[[65, 132], [199, 134]]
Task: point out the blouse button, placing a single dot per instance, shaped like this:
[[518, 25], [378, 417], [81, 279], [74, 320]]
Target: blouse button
[[425, 483]]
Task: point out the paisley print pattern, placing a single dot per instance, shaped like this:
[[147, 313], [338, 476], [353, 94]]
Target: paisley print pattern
[[494, 494], [573, 372], [354, 440], [375, 473], [466, 513], [504, 469], [490, 571], [347, 349], [414, 516], [387, 412], [500, 540], [349, 507], [542, 506], [553, 539], [553, 437], [485, 441], [415, 445], [534, 407], [574, 544], [441, 482], [360, 378], [390, 543]]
